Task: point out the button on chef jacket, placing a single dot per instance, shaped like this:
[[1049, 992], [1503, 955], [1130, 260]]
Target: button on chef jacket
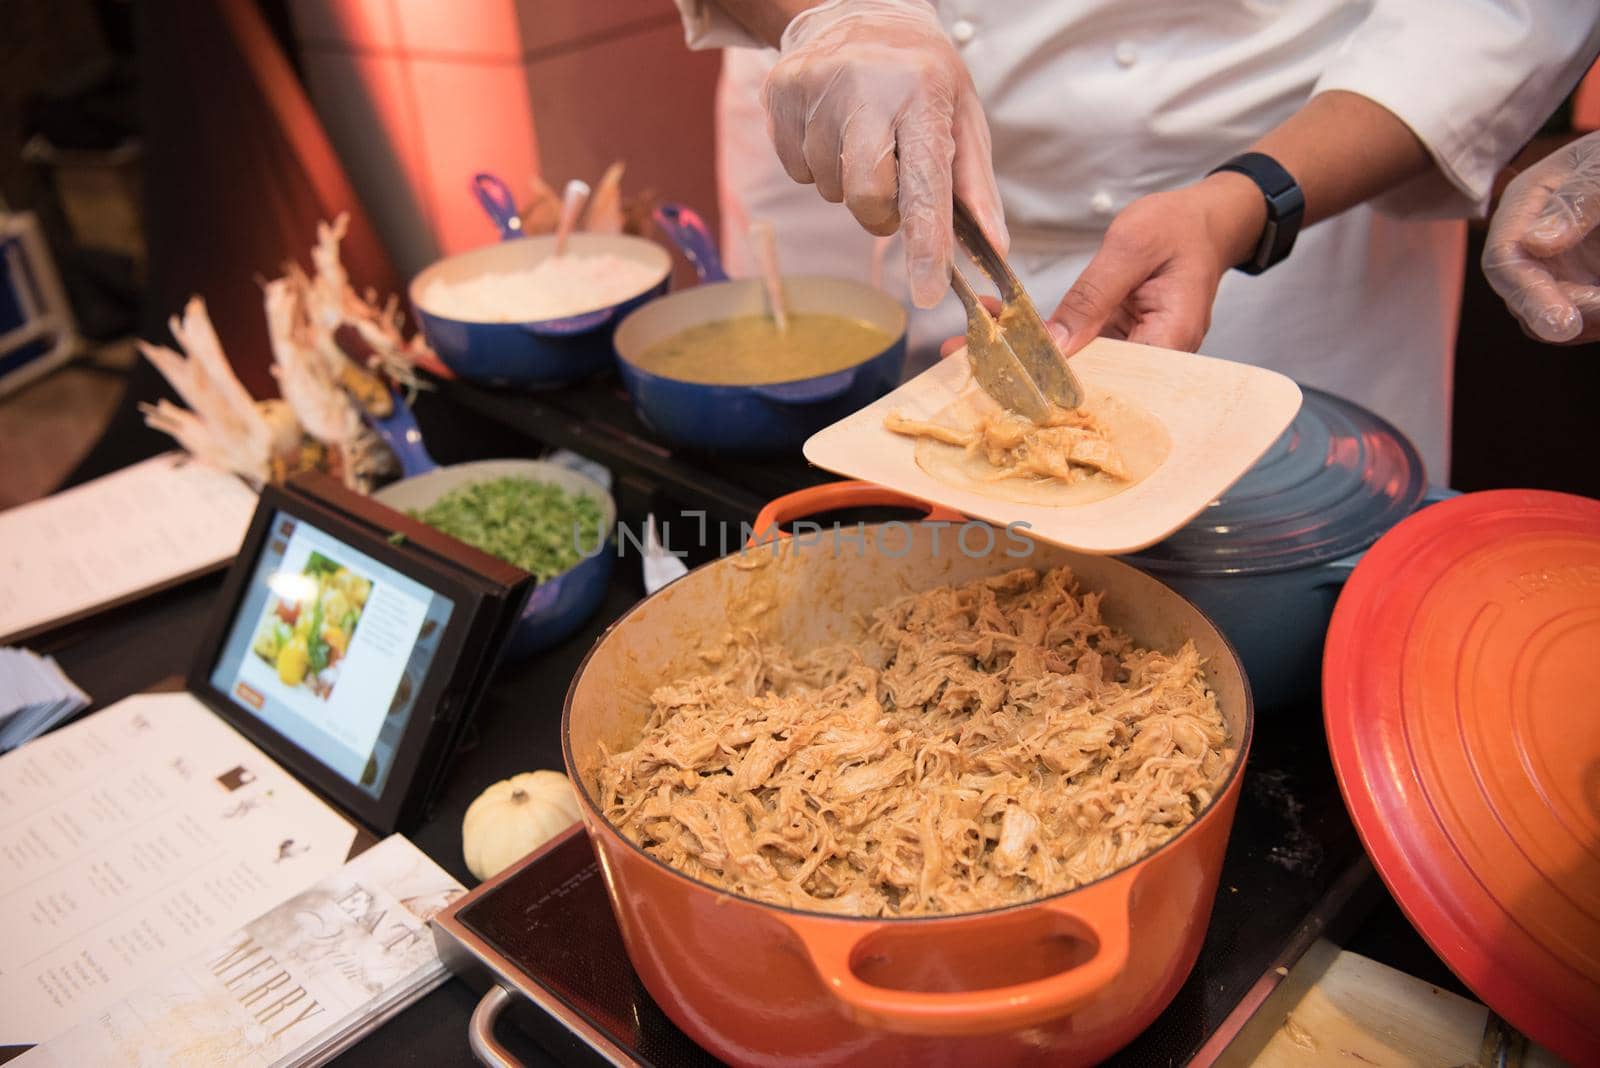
[[1094, 103]]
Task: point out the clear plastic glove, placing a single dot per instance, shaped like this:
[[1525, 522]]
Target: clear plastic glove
[[870, 101], [1543, 251]]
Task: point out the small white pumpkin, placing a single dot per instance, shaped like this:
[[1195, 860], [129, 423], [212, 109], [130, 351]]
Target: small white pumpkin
[[514, 817]]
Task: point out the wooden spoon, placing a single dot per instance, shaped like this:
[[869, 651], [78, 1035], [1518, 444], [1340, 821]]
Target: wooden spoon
[[766, 243], [880, 248], [573, 199]]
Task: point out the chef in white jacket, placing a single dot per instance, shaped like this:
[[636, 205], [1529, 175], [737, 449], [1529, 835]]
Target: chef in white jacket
[[1381, 121]]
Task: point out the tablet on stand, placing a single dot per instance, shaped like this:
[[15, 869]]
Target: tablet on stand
[[352, 642]]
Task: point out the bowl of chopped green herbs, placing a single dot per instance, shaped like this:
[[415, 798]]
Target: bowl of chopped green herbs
[[553, 523]]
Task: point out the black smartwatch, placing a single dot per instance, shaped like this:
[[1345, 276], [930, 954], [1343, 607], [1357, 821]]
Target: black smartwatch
[[1286, 207]]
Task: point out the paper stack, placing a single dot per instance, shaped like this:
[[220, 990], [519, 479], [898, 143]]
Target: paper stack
[[35, 695], [144, 528], [293, 988]]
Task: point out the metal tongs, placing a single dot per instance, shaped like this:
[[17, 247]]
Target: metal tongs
[[1013, 356]]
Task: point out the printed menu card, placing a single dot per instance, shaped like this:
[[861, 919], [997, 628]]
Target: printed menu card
[[134, 839], [142, 528], [292, 987]]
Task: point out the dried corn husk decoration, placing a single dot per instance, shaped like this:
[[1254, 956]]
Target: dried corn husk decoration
[[331, 302], [222, 426], [609, 212], [605, 203], [544, 209], [334, 355]]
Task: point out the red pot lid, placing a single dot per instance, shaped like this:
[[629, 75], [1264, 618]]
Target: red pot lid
[[1461, 688]]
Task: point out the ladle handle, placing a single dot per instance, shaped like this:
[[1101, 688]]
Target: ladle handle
[[880, 251], [573, 199]]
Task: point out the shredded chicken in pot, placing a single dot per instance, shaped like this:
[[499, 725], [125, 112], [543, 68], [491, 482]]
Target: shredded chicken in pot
[[992, 743], [1071, 446]]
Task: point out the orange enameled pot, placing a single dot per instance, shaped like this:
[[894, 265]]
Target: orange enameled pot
[[1063, 980]]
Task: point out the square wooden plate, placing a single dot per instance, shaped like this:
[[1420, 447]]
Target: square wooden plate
[[1221, 417]]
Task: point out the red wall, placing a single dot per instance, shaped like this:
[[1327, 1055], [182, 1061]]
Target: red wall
[[418, 95]]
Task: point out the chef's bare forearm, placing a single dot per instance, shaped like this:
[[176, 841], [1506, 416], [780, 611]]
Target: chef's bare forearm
[[1344, 149], [1156, 273], [1341, 147], [765, 19]]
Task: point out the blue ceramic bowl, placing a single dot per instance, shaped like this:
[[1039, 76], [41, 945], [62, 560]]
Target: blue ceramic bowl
[[768, 419], [537, 354], [559, 606], [762, 419], [541, 353]]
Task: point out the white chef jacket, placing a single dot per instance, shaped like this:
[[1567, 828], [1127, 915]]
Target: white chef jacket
[[1094, 103]]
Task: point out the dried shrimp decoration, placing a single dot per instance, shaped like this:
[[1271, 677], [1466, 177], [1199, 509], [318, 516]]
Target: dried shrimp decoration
[[991, 743]]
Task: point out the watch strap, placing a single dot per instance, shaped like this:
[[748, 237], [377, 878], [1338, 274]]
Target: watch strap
[[1286, 207]]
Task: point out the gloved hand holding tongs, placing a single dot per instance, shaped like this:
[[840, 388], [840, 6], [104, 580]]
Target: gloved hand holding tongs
[[870, 101], [1014, 356]]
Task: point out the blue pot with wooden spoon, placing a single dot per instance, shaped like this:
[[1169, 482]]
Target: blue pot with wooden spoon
[[769, 418]]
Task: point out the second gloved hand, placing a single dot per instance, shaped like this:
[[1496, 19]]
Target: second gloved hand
[[1542, 254], [870, 101]]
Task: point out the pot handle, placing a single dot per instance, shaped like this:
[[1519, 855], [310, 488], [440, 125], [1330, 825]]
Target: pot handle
[[1337, 572], [831, 496], [400, 432], [831, 946], [499, 203], [693, 237], [480, 1032]]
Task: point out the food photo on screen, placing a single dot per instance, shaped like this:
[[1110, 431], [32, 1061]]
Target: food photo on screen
[[309, 622], [325, 647]]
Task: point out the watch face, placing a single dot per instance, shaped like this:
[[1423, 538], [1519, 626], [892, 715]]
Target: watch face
[[1264, 251]]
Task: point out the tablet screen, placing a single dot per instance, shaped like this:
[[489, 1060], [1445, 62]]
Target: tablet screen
[[329, 648]]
